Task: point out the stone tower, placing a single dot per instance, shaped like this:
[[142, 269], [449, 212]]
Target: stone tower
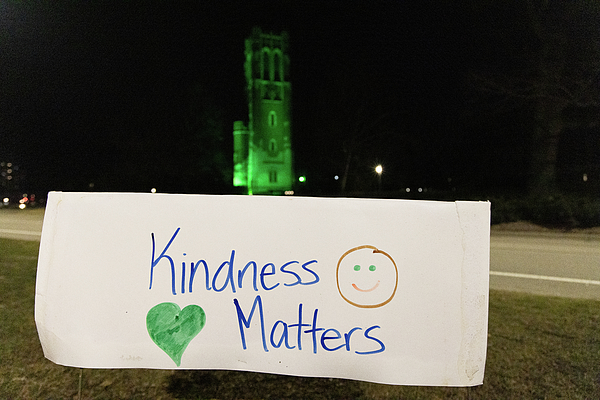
[[262, 154]]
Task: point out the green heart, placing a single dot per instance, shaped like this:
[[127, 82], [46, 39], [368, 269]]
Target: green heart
[[172, 328]]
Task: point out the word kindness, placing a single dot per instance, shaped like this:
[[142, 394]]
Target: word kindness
[[301, 332], [224, 275]]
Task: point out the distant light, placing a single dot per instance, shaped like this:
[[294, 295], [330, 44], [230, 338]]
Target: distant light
[[6, 200], [336, 177], [153, 190], [302, 179], [9, 165], [585, 178], [379, 169], [22, 206], [407, 190], [289, 192], [420, 190]]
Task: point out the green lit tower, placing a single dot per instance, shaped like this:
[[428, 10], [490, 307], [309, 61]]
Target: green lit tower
[[262, 153]]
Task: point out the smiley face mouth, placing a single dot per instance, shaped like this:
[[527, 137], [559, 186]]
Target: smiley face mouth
[[365, 290]]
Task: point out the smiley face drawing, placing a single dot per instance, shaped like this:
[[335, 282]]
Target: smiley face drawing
[[367, 277]]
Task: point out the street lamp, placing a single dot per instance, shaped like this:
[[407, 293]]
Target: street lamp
[[378, 171]]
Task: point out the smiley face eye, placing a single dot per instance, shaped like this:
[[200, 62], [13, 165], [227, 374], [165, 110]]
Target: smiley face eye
[[372, 268], [357, 267]]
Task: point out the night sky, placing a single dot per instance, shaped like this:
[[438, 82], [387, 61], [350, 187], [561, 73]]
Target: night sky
[[112, 93]]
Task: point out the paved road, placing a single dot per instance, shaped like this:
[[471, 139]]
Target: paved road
[[21, 224], [551, 264]]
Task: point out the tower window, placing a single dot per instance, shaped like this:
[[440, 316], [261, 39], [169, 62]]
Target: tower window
[[272, 119], [273, 176], [272, 146], [277, 66], [256, 72], [266, 65]]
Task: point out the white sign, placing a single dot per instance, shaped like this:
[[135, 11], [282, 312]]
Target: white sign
[[388, 291]]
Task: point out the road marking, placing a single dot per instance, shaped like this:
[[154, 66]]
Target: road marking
[[20, 232], [545, 278]]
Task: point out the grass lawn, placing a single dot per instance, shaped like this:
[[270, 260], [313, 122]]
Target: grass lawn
[[538, 348]]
